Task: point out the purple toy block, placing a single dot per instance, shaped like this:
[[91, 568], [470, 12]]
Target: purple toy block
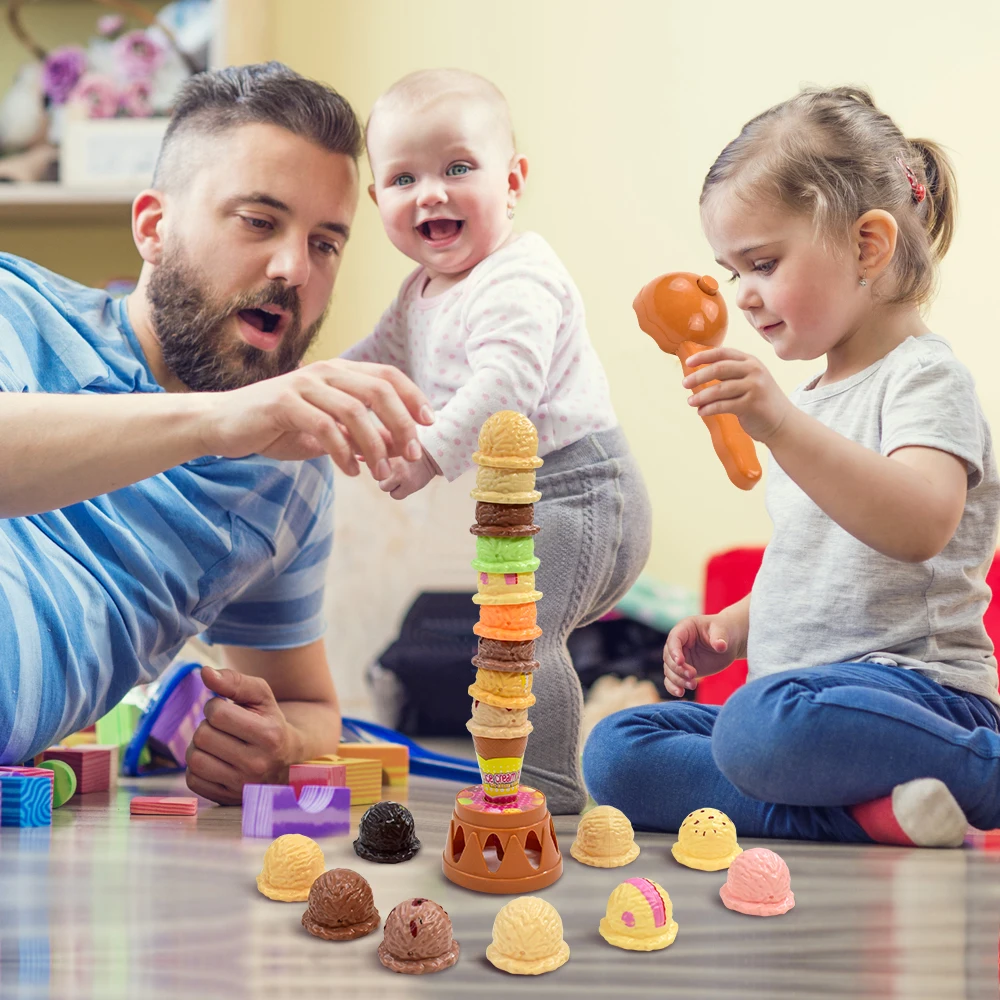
[[272, 811], [181, 715]]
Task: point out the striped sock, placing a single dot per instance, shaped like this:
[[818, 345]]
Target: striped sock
[[919, 813]]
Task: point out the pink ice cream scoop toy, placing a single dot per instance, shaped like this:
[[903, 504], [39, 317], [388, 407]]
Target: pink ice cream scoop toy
[[758, 883]]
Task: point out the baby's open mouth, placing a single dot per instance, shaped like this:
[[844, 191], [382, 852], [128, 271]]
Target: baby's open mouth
[[261, 319], [440, 229]]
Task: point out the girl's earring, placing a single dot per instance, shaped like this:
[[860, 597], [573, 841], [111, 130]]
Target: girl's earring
[[863, 280], [510, 212]]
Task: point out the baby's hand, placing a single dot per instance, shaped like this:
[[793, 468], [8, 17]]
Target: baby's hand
[[745, 387], [407, 477]]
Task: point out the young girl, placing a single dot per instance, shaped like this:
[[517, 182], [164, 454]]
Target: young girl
[[491, 320], [871, 710]]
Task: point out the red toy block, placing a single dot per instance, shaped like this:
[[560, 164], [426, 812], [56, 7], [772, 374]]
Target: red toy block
[[324, 775], [92, 765]]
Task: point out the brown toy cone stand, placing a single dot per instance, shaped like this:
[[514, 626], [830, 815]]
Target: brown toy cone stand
[[509, 848]]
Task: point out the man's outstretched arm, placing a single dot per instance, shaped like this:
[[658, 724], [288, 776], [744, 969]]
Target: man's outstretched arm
[[275, 708], [57, 450]]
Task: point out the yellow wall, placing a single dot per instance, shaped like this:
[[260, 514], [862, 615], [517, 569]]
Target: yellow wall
[[621, 108]]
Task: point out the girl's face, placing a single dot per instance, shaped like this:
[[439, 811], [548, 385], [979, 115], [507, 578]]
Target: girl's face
[[800, 292], [445, 176]]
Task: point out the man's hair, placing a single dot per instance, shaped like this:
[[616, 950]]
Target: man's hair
[[210, 104]]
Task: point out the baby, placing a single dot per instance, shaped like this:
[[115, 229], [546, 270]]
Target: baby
[[491, 320]]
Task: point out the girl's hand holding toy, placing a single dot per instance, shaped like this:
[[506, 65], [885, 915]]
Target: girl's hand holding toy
[[740, 384]]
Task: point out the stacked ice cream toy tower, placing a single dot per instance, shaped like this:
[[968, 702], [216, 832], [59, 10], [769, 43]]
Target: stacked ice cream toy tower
[[505, 495], [501, 837]]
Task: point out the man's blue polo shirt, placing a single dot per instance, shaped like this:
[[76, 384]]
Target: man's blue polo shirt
[[101, 595]]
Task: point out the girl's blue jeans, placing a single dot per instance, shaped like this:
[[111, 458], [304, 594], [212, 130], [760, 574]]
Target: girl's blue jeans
[[789, 752]]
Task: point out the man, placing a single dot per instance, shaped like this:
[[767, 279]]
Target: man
[[165, 458]]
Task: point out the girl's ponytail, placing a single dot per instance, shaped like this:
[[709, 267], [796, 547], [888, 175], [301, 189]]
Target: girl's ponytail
[[942, 195]]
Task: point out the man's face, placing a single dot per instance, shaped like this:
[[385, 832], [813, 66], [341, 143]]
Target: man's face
[[252, 241]]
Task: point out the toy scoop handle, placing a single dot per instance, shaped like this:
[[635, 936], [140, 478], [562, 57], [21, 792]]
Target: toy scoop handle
[[732, 444]]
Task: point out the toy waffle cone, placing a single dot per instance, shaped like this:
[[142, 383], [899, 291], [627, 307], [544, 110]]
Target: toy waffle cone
[[503, 689], [508, 440], [500, 764], [706, 841], [507, 588], [513, 622], [604, 839], [514, 486]]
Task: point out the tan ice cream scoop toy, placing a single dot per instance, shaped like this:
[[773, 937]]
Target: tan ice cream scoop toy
[[291, 864], [508, 440], [528, 938], [706, 841], [604, 839]]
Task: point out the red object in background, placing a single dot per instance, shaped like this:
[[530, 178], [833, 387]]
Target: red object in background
[[729, 577]]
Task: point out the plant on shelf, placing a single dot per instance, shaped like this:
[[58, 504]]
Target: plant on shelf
[[120, 72]]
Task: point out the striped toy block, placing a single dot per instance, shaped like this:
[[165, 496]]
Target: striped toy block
[[25, 800], [326, 775], [163, 805], [274, 810], [364, 777], [95, 767], [34, 772], [395, 759]]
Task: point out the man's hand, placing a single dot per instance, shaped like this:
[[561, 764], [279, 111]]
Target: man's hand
[[321, 408], [245, 739], [696, 646], [408, 477], [745, 388]]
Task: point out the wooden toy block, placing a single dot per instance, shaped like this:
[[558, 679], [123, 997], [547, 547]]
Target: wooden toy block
[[159, 805], [25, 800], [364, 777], [92, 765], [326, 775], [395, 758], [274, 810], [33, 772], [83, 738]]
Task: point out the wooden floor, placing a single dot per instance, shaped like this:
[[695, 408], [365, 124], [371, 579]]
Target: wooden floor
[[106, 906]]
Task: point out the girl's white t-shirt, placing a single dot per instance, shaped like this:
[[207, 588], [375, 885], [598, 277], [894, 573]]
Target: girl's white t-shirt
[[510, 336], [824, 597]]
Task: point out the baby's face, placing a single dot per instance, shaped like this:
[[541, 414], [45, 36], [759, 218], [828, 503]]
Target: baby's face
[[443, 181]]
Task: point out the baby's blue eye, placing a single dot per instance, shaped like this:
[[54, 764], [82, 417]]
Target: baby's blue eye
[[403, 180], [457, 169]]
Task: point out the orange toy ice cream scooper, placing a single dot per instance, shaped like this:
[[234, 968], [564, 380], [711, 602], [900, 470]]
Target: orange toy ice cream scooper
[[685, 314]]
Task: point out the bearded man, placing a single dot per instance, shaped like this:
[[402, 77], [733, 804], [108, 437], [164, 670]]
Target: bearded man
[[167, 458]]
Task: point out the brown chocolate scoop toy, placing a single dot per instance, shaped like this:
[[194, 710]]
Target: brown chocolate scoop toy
[[386, 834], [418, 939], [341, 907]]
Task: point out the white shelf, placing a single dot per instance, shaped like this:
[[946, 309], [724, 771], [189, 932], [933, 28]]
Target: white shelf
[[53, 203]]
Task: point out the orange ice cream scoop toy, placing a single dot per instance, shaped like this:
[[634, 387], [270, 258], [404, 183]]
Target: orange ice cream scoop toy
[[508, 440], [685, 314], [511, 622], [706, 841]]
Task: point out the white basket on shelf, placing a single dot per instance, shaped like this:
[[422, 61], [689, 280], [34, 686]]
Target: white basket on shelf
[[110, 152]]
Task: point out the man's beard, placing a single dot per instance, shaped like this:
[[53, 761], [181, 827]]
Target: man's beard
[[196, 346]]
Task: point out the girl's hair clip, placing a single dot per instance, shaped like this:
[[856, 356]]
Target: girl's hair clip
[[918, 189]]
